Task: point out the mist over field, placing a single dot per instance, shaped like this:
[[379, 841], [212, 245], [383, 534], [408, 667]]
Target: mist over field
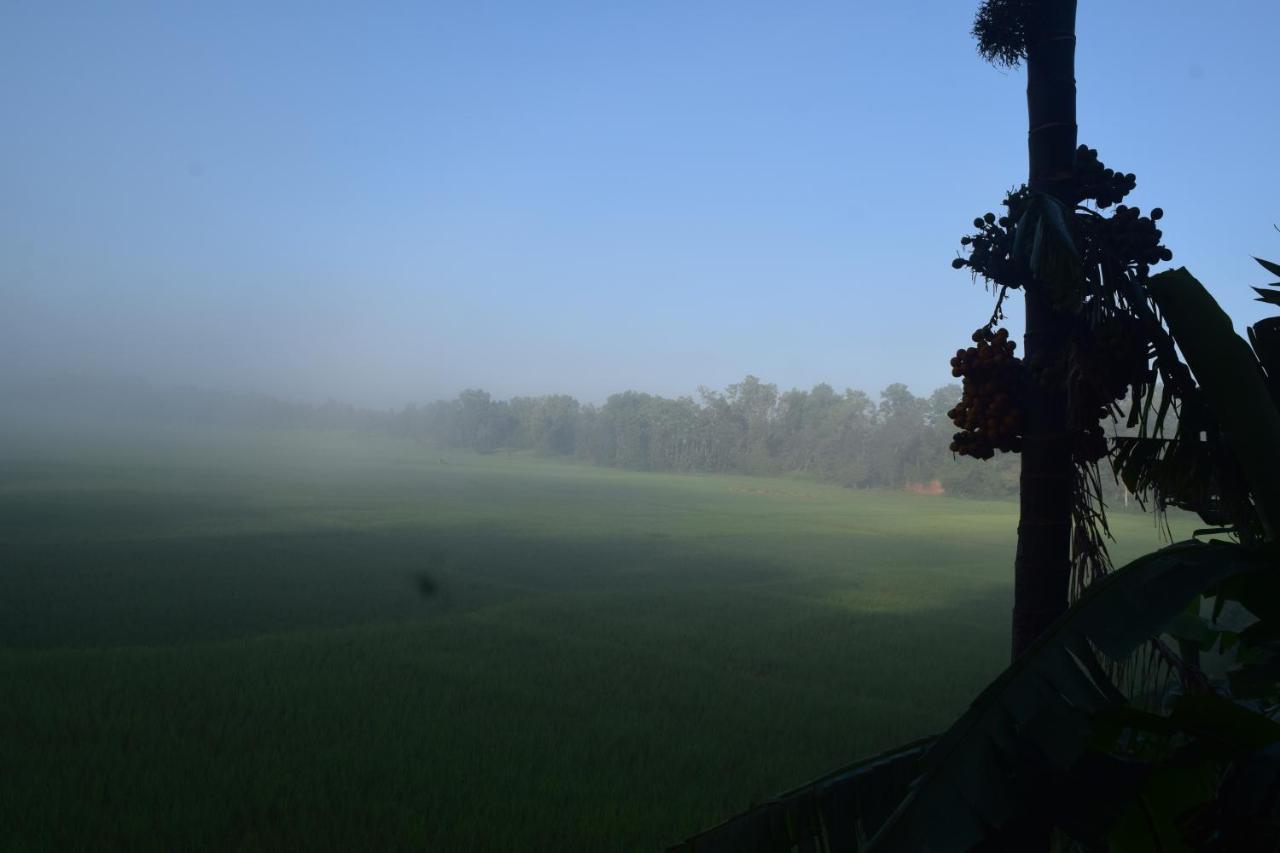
[[562, 426], [322, 624]]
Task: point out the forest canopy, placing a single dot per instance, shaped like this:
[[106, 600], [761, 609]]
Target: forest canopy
[[751, 427]]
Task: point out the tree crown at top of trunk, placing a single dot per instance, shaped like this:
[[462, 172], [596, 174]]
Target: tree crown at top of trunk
[[1000, 28]]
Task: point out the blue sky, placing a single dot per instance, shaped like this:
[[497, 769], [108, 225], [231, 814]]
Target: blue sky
[[384, 203]]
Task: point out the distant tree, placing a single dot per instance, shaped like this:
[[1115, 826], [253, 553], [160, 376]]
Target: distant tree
[[753, 402], [624, 417], [468, 425], [895, 446], [848, 452], [722, 431], [940, 402], [545, 424], [588, 436]]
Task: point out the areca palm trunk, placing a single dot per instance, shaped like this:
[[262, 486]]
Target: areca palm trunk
[[1042, 566]]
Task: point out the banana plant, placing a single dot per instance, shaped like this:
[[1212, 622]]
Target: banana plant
[[1234, 384], [1053, 743]]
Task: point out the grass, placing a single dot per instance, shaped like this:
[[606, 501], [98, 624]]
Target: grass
[[214, 641]]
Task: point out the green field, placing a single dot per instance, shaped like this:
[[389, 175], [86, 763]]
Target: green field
[[216, 641]]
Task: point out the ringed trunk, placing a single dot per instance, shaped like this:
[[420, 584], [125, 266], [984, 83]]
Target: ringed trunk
[[1042, 566]]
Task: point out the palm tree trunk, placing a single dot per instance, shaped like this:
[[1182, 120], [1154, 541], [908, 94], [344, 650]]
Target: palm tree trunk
[[1042, 566]]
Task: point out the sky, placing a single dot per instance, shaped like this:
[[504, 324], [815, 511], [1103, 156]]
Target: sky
[[384, 203]]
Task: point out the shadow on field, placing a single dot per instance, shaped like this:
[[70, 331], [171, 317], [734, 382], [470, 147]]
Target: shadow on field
[[195, 589], [584, 719], [198, 589]]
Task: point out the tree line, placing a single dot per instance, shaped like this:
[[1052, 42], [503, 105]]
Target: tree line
[[750, 427]]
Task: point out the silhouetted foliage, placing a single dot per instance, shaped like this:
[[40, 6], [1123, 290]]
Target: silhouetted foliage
[[1000, 28], [1115, 352]]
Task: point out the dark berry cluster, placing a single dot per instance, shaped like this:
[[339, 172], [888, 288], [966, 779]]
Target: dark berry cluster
[[987, 414], [1116, 251], [990, 247], [1096, 183], [1125, 240]]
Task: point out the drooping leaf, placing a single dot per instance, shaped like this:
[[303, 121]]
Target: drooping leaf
[[1042, 240], [1151, 822], [1264, 337], [1232, 381], [1190, 627], [1257, 593], [1179, 471], [835, 812], [1033, 722], [1245, 815], [1255, 680], [1271, 297], [1220, 722], [1269, 266]]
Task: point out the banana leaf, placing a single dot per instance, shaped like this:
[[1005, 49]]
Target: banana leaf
[[1029, 732], [835, 812], [1180, 471], [1024, 748], [1246, 814], [1233, 384], [1264, 336]]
